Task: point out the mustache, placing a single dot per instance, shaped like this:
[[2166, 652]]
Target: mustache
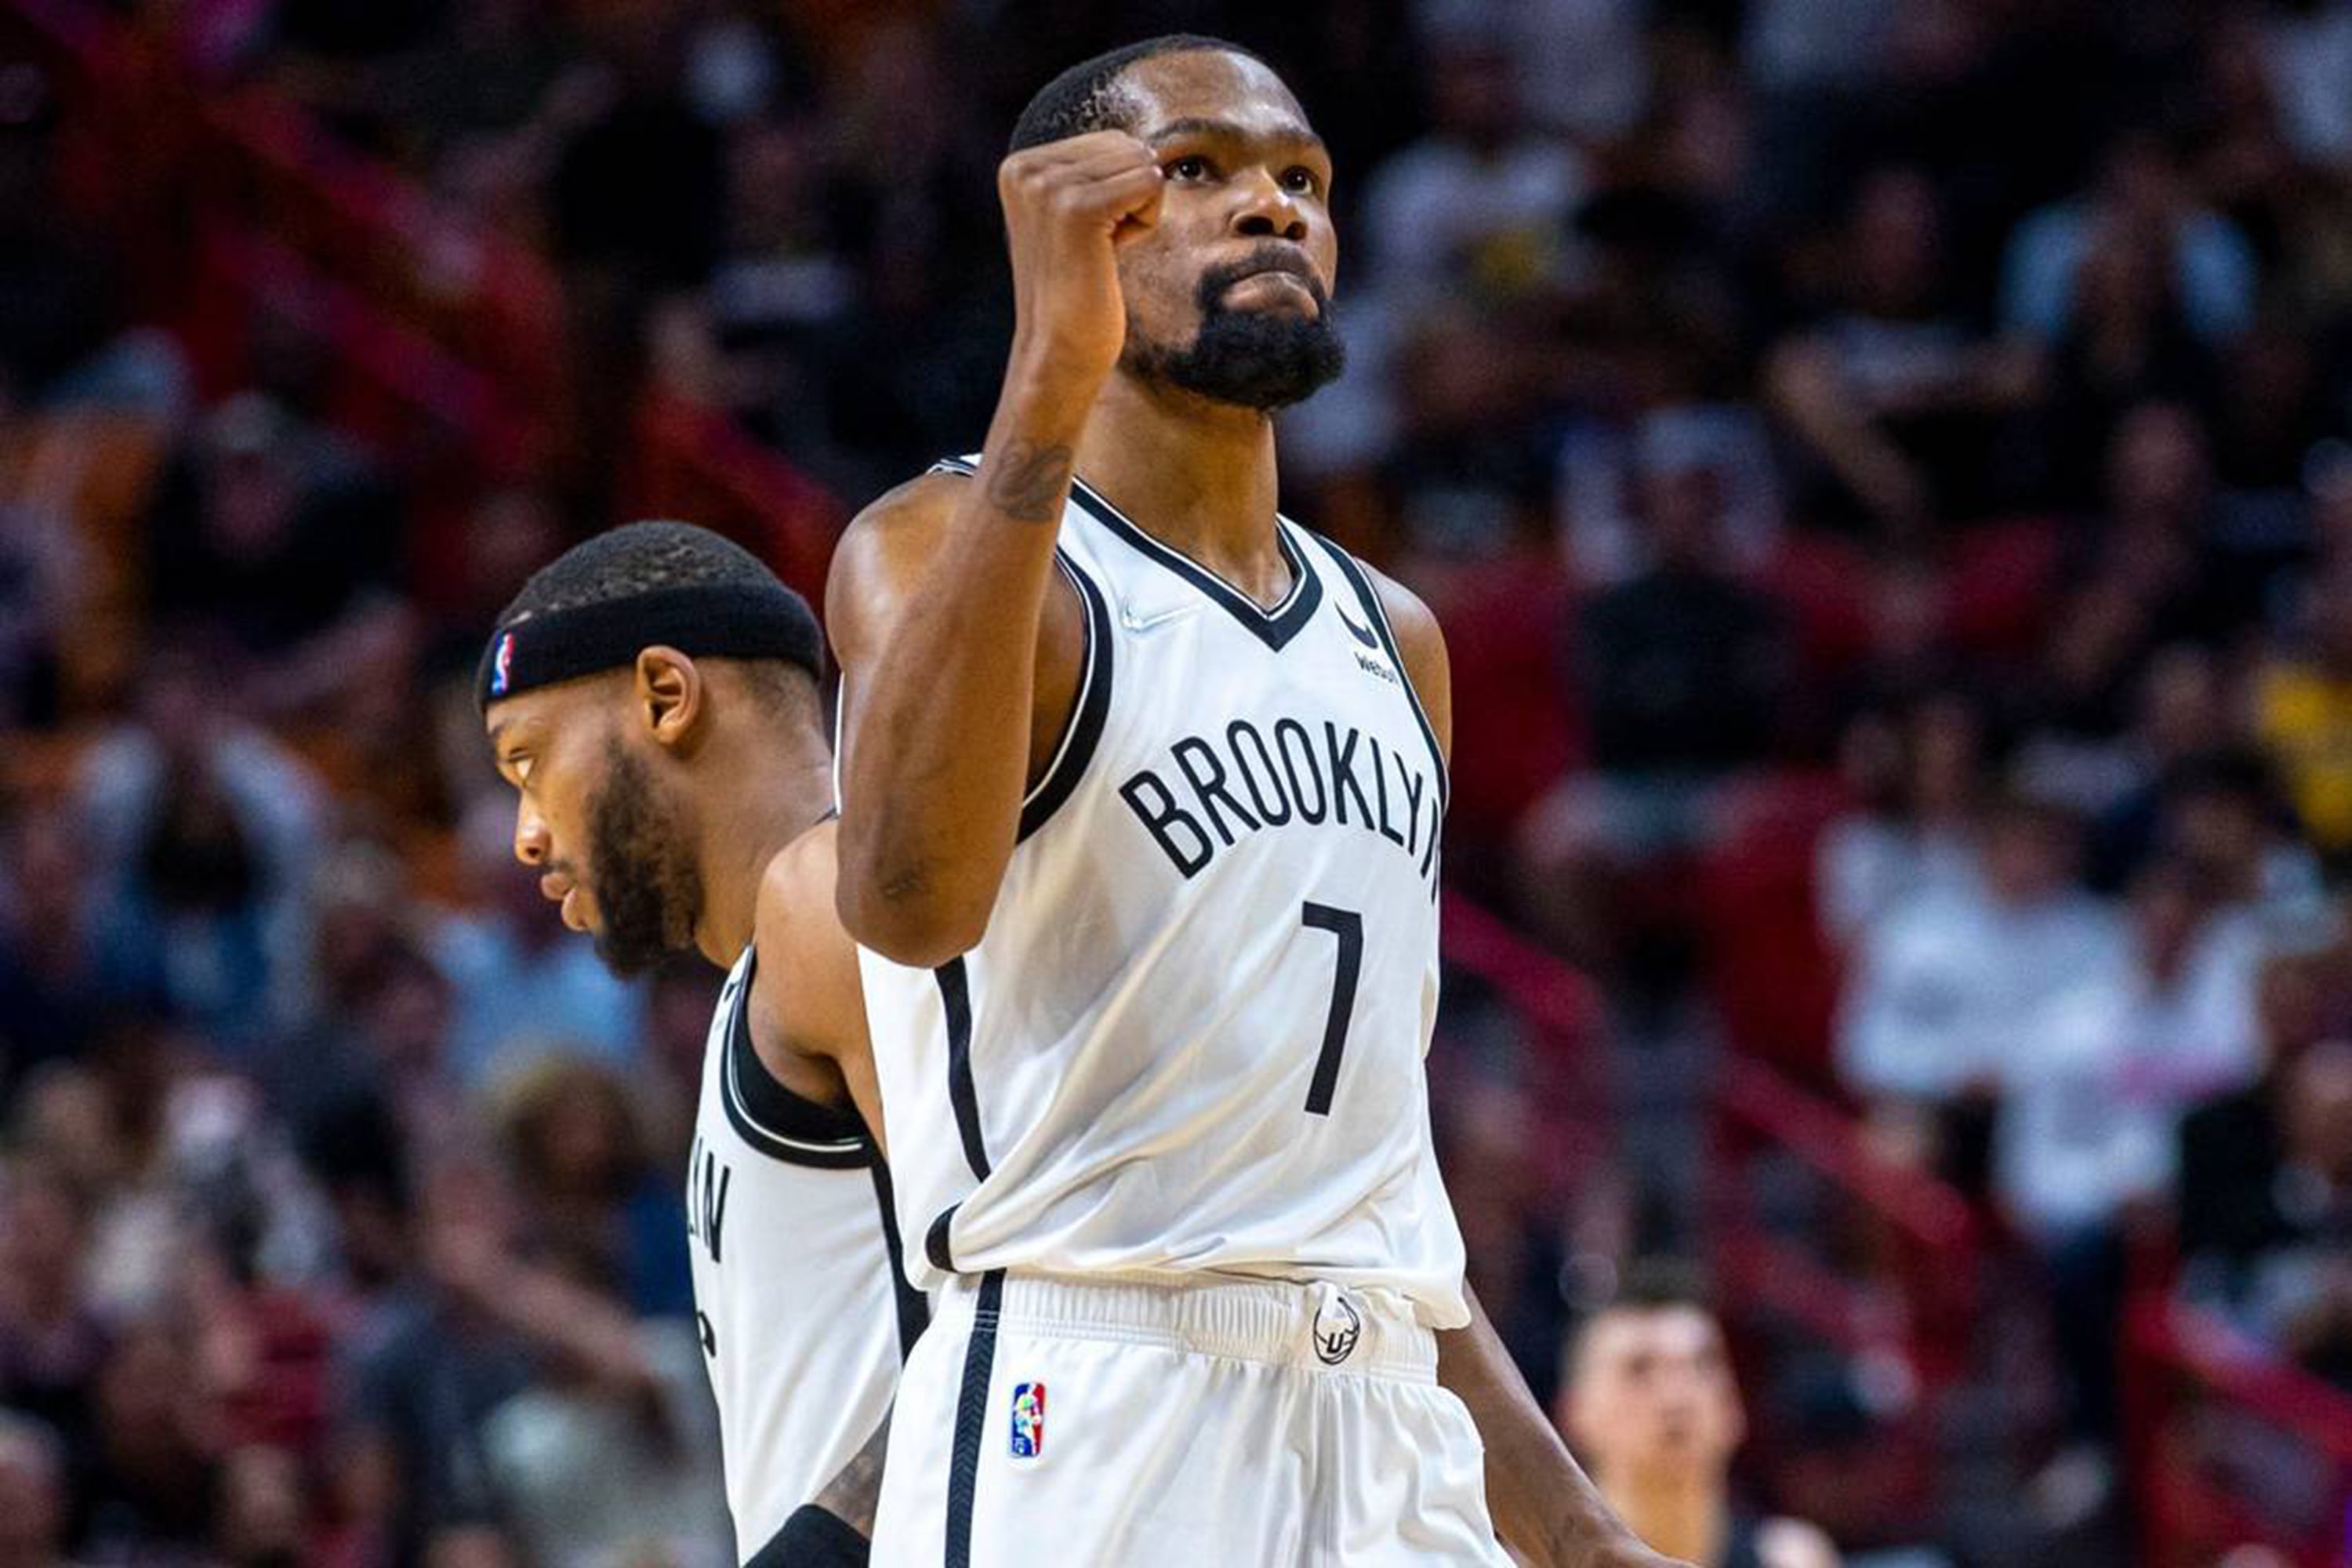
[[1267, 258]]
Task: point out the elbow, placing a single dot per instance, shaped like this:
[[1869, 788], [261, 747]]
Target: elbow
[[907, 919]]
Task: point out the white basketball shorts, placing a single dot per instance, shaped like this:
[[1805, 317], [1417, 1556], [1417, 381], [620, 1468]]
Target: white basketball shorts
[[1238, 1423]]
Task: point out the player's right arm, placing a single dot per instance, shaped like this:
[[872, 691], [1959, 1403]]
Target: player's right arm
[[939, 599]]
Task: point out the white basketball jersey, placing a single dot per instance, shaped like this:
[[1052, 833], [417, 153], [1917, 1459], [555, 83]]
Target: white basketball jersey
[[1192, 1037], [805, 1311]]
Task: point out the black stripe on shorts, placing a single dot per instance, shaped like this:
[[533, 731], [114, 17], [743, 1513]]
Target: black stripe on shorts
[[972, 1418]]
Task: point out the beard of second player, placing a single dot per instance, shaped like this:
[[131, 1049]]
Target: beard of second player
[[1251, 359], [646, 883]]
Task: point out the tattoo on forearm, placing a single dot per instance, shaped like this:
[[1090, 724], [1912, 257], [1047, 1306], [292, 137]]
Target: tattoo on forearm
[[1028, 481]]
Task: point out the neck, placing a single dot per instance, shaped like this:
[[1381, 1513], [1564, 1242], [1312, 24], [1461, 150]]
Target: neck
[[1685, 1517], [775, 789], [1196, 475]]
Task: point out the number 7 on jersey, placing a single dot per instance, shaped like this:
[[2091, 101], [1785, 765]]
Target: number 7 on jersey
[[1349, 927]]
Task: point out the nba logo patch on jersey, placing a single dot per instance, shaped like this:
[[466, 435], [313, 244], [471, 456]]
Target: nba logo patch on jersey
[[1029, 1421], [502, 666]]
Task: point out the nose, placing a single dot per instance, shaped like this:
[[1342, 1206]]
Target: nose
[[1268, 212], [531, 840]]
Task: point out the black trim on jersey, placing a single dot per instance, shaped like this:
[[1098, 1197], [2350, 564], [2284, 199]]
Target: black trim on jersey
[[1079, 736], [1354, 572], [955, 995], [972, 1418], [914, 1307], [1273, 628], [770, 1118], [1085, 729], [935, 1241]]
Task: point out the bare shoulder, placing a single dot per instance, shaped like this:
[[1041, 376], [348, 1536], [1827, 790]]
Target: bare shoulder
[[806, 985], [1420, 643], [1793, 1543], [1415, 624], [796, 916], [885, 542]]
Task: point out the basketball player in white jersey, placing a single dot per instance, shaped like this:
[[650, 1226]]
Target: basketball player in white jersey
[[1141, 790], [652, 696]]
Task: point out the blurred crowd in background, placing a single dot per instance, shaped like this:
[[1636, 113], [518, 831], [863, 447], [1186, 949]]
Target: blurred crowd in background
[[1884, 468]]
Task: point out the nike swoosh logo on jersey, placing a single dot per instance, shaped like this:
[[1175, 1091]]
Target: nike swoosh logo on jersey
[[1361, 633], [1135, 623]]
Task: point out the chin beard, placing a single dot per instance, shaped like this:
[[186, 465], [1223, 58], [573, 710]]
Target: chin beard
[[648, 889], [1250, 359]]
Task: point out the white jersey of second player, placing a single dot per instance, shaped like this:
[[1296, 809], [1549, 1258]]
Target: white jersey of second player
[[805, 1312], [1192, 1037]]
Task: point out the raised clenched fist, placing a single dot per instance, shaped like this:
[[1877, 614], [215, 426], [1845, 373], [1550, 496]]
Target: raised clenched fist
[[1068, 205]]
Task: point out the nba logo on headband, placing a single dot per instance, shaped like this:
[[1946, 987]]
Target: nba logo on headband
[[502, 666]]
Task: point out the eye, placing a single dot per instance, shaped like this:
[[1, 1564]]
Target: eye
[[1301, 179], [1193, 167]]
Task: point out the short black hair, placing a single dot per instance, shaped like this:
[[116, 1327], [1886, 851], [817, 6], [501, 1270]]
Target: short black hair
[[1086, 97], [639, 559], [1646, 1285]]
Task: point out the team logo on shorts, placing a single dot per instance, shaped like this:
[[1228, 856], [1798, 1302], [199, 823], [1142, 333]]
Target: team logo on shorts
[[1337, 1327], [502, 666], [1029, 1421]]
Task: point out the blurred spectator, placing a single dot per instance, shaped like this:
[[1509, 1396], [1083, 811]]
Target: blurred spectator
[[2304, 711], [516, 981], [2281, 1260], [201, 827], [436, 1401], [271, 535], [782, 298], [2221, 819], [1579, 65], [2182, 716], [1482, 200], [2093, 1100], [1602, 471], [613, 1459], [2139, 187], [638, 192], [33, 1495], [1917, 778], [583, 1172], [1950, 987], [2146, 577], [1687, 666], [150, 1473], [1649, 1401], [50, 994], [2308, 51], [51, 1342], [2124, 345], [1686, 669], [43, 576], [1893, 393]]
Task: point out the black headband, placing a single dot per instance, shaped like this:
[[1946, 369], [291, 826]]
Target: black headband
[[715, 620]]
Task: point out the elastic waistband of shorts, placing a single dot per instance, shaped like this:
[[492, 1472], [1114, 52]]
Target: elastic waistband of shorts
[[1314, 1325]]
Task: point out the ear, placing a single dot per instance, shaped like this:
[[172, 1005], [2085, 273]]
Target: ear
[[670, 695]]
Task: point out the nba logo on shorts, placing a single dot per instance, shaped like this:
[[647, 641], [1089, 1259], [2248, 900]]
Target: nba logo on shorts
[[1029, 1421], [502, 666]]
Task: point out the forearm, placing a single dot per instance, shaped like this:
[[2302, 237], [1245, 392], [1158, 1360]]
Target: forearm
[[938, 745], [1543, 1505], [854, 1494]]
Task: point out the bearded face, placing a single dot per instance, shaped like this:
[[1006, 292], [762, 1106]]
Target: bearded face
[[647, 888]]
